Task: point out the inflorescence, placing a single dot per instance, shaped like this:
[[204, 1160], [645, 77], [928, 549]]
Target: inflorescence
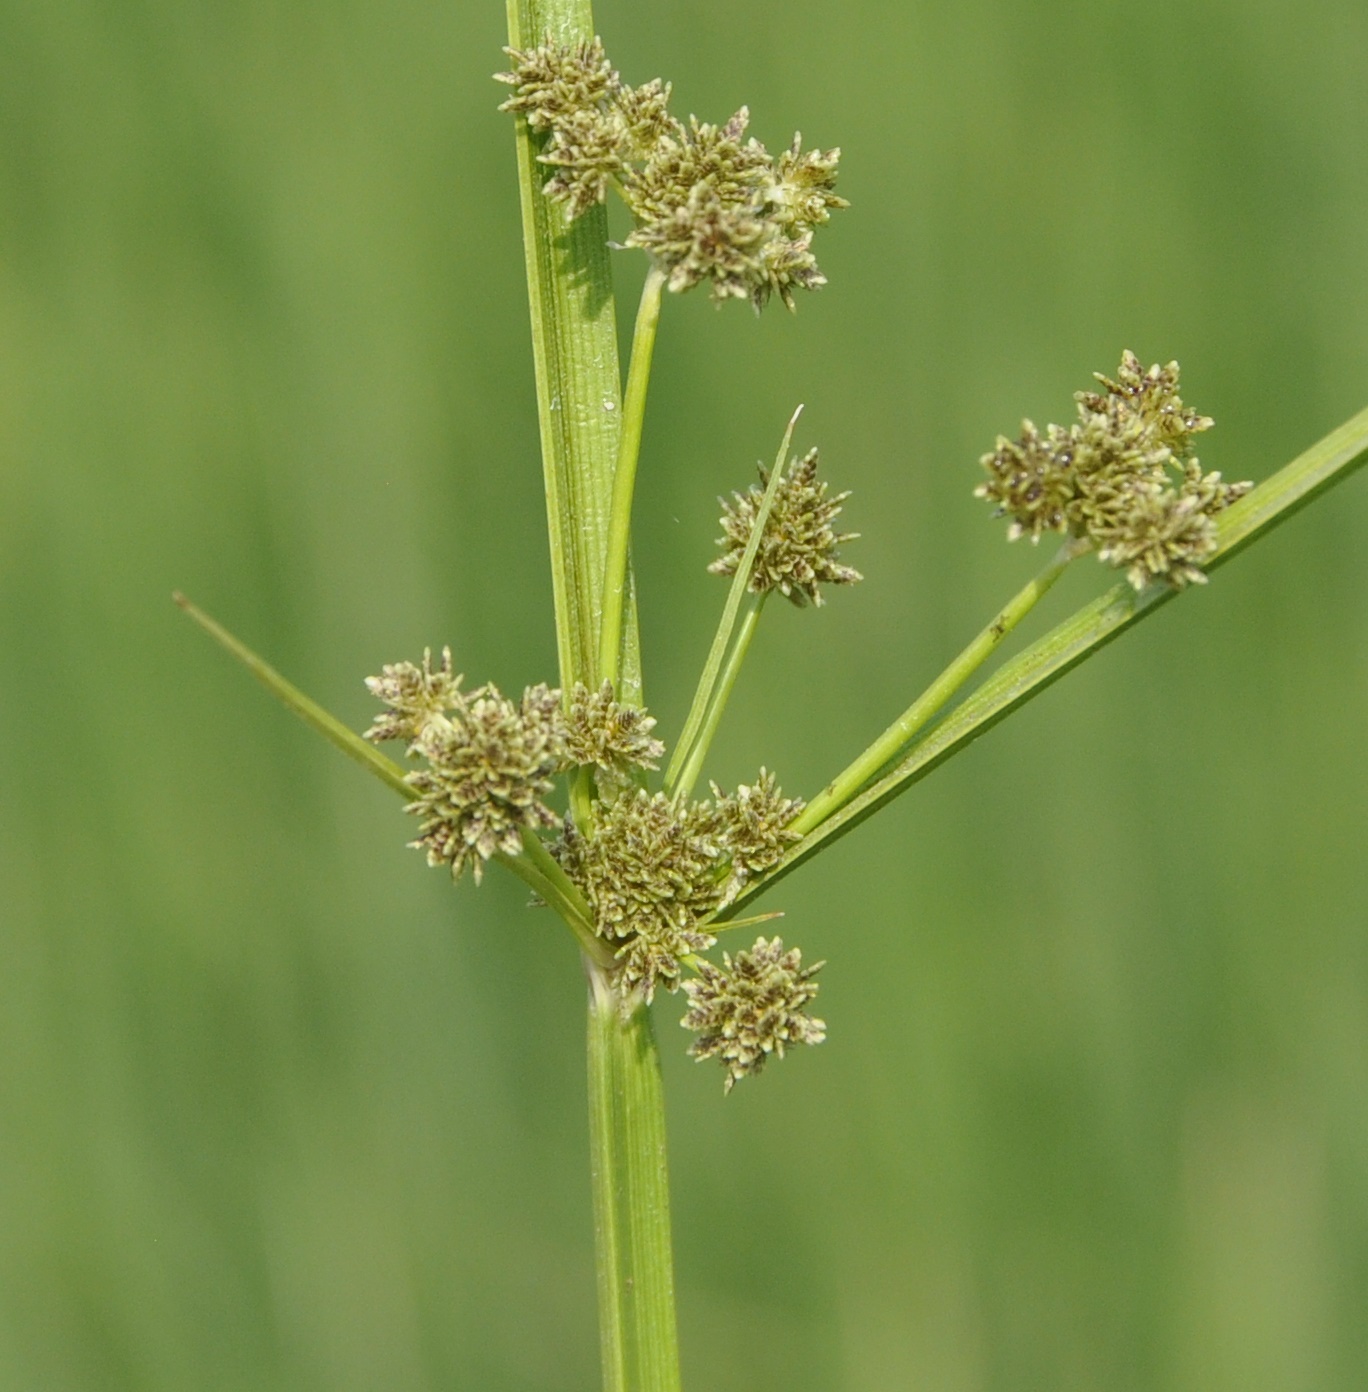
[[1110, 478], [709, 203], [752, 1007], [653, 869], [797, 549]]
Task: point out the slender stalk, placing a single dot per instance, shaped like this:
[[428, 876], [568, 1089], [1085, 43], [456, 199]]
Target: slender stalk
[[1326, 463], [536, 867], [900, 733], [624, 476], [745, 631], [736, 595], [638, 1336], [309, 711]]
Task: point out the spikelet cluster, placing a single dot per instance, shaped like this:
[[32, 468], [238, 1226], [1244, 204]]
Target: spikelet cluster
[[711, 205], [491, 762], [653, 869], [1122, 475], [755, 823], [798, 548], [610, 738], [650, 871], [752, 1007]]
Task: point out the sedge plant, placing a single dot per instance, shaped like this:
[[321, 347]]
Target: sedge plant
[[569, 787]]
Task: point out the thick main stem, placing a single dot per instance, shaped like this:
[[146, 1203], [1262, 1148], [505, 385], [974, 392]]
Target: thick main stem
[[574, 349], [899, 734], [638, 1336], [578, 398]]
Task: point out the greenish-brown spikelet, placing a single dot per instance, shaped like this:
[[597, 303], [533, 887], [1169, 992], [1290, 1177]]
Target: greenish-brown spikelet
[[755, 825], [610, 738], [752, 1007], [799, 548], [1110, 477], [710, 204], [489, 762]]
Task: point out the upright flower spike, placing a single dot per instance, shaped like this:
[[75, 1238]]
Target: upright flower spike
[[711, 205], [752, 1007], [798, 549], [1110, 478]]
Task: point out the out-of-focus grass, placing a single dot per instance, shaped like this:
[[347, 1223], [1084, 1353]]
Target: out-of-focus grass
[[278, 1108]]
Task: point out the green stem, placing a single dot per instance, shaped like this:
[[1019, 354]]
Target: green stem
[[624, 476], [900, 733], [639, 1341], [1326, 463], [578, 386], [702, 702], [745, 631], [574, 350]]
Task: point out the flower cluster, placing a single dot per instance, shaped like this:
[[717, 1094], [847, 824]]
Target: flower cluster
[[1122, 476], [755, 823], [490, 761], [752, 1007], [653, 869], [710, 204], [610, 738], [650, 871], [798, 548]]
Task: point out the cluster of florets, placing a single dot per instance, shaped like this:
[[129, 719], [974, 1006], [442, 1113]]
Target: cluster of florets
[[1122, 476], [490, 762], [653, 869], [710, 204], [612, 739], [798, 547], [752, 1007]]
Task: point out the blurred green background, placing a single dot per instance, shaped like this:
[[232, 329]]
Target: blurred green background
[[278, 1107]]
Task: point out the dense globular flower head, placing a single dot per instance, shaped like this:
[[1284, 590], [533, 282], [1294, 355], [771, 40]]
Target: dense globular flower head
[[755, 824], [555, 80], [611, 738], [710, 204], [751, 1007], [1149, 397], [1031, 479], [1110, 478], [802, 193], [490, 764], [416, 696], [650, 869], [1168, 534], [798, 548]]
